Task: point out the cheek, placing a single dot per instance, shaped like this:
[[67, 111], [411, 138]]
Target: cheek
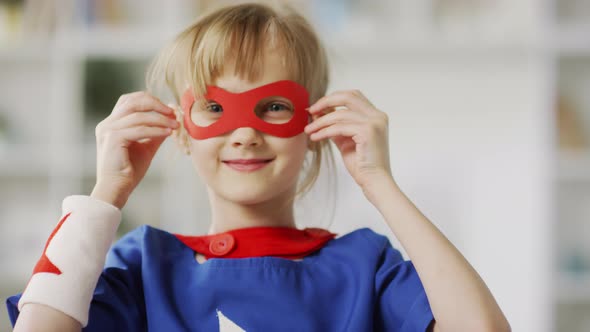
[[204, 155], [294, 150]]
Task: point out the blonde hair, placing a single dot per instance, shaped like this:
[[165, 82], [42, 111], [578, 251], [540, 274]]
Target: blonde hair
[[241, 35]]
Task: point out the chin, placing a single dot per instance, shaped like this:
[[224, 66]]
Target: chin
[[251, 195]]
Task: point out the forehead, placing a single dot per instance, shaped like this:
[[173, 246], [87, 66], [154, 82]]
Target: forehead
[[272, 68]]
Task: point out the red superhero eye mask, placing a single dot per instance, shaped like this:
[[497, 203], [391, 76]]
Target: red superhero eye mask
[[276, 109]]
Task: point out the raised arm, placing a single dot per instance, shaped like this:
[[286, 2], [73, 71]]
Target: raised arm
[[59, 293], [38, 317], [459, 299]]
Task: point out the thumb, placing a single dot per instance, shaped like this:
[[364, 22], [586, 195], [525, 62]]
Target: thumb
[[154, 144]]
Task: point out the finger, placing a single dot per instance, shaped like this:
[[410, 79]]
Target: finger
[[145, 118], [321, 113], [340, 116], [344, 143], [353, 100], [177, 111], [140, 101], [135, 134], [346, 130]]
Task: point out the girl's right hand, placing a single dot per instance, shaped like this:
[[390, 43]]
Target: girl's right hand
[[126, 142]]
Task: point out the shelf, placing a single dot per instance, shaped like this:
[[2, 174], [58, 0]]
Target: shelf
[[144, 43], [573, 289], [119, 42], [572, 40], [31, 50], [141, 42], [24, 160], [141, 39], [574, 166], [433, 46], [99, 41]]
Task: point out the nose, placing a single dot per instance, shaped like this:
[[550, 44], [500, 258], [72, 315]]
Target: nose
[[245, 137]]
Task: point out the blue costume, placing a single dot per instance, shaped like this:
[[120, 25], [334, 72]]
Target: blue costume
[[357, 282]]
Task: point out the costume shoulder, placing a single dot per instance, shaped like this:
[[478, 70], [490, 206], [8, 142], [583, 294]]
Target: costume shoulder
[[370, 242], [128, 249], [401, 301], [132, 247]]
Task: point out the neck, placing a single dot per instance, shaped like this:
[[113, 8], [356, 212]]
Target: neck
[[228, 215]]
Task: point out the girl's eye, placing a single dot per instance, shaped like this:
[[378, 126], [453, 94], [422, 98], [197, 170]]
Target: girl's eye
[[206, 112], [214, 108], [277, 107], [274, 109]]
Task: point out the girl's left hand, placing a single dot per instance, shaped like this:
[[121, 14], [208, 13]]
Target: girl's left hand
[[358, 129]]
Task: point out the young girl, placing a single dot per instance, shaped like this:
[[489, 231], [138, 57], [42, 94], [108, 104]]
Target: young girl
[[250, 84]]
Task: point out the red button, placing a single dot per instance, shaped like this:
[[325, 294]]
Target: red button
[[221, 244]]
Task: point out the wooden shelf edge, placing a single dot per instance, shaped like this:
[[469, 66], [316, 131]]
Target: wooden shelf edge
[[573, 289], [573, 166]]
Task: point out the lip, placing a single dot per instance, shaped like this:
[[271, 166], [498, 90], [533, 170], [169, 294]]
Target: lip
[[247, 165]]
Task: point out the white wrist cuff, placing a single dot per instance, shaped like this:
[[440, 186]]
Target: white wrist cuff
[[68, 271]]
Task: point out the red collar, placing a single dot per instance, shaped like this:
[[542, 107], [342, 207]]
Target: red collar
[[283, 242]]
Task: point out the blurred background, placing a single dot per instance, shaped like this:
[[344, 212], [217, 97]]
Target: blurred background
[[489, 105]]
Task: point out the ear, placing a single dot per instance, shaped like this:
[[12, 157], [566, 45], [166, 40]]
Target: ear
[[180, 135]]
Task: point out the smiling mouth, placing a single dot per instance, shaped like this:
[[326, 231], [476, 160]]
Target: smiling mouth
[[247, 165]]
